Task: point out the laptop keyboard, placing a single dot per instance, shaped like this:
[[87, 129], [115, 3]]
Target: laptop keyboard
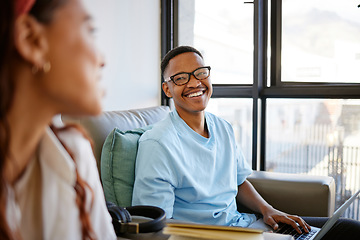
[[289, 230]]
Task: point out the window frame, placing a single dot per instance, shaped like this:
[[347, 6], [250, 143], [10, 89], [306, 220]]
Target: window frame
[[259, 91]]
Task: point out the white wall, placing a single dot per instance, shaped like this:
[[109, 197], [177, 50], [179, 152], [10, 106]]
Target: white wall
[[128, 33]]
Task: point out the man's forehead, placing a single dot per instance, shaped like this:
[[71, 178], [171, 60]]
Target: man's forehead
[[185, 62]]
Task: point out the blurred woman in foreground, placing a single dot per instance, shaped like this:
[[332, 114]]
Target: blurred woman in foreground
[[49, 65]]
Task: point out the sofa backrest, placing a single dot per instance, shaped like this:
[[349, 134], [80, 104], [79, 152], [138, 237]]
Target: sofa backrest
[[99, 127]]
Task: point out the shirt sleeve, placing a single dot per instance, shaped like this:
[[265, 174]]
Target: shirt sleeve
[[243, 168], [154, 178]]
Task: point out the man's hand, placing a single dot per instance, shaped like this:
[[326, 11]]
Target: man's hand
[[272, 217], [249, 197]]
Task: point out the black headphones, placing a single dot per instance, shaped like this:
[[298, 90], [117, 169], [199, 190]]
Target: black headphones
[[122, 221]]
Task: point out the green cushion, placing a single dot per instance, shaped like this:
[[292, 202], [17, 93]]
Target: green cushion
[[118, 165]]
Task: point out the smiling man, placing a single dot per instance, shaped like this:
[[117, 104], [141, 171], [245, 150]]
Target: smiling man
[[189, 164]]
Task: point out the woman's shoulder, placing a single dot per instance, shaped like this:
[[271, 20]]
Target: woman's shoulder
[[74, 138], [78, 145]]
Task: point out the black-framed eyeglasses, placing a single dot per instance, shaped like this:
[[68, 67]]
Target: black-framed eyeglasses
[[182, 78]]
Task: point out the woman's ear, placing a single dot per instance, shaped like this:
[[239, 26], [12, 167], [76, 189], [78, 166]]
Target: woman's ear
[[30, 40], [166, 89]]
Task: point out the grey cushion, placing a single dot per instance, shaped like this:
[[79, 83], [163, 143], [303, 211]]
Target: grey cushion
[[100, 127]]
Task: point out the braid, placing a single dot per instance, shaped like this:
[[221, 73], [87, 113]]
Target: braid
[[80, 186], [86, 228]]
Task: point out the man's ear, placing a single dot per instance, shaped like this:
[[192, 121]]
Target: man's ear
[[30, 40], [166, 89]]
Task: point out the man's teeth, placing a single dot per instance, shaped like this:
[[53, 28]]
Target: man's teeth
[[195, 94]]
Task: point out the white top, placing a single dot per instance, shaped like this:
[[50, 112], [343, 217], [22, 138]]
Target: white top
[[42, 204]]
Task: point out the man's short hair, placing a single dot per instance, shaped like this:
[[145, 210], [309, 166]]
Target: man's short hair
[[173, 53]]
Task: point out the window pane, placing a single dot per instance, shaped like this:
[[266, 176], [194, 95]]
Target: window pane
[[316, 137], [321, 41], [223, 34], [238, 112]]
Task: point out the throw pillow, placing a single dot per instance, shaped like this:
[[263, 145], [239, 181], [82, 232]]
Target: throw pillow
[[118, 165]]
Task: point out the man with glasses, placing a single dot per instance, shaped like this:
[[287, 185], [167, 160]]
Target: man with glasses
[[189, 164]]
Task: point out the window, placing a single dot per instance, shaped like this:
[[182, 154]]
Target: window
[[320, 41], [298, 109], [222, 34], [318, 137]]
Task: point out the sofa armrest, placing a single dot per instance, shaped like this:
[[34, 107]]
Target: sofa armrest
[[297, 194]]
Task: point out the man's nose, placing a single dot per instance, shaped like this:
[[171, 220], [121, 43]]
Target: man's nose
[[193, 82]]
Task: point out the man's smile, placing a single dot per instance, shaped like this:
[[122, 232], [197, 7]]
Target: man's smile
[[195, 93]]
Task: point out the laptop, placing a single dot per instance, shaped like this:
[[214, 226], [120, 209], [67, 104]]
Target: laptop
[[315, 233]]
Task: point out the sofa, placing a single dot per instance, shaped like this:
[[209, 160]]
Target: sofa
[[297, 194]]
